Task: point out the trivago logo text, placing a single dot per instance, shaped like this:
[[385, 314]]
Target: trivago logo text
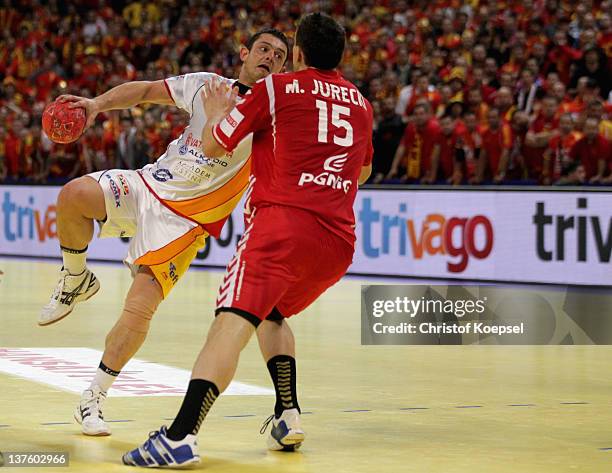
[[21, 221], [457, 237]]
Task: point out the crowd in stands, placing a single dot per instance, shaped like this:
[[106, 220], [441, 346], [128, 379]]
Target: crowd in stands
[[464, 92]]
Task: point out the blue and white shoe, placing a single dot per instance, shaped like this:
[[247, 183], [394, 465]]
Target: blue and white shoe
[[286, 434], [161, 452]]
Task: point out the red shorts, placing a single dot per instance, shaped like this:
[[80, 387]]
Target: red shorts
[[284, 261]]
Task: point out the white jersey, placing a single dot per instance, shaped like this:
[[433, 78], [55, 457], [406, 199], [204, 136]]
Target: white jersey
[[204, 189]]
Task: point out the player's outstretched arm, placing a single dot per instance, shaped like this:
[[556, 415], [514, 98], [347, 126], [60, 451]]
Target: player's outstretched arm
[[123, 96]]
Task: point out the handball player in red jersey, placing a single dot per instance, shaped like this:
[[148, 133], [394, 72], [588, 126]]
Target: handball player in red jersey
[[312, 147]]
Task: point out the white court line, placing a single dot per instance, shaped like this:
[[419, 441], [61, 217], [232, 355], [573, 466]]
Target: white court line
[[71, 369]]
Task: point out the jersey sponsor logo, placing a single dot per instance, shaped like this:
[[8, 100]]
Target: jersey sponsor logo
[[329, 177], [231, 122], [173, 274], [124, 185], [183, 149], [162, 175], [335, 163], [191, 141], [192, 172], [115, 189], [202, 159]]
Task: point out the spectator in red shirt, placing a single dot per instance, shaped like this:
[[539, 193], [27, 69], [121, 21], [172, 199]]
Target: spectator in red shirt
[[496, 145], [448, 144], [516, 169], [557, 154], [469, 144], [586, 92], [46, 79], [539, 135], [419, 148], [504, 102], [561, 56], [422, 91], [558, 90], [592, 150], [477, 105], [527, 94], [13, 149]]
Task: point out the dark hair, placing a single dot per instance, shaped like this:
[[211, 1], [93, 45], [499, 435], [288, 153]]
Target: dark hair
[[321, 39], [271, 31]]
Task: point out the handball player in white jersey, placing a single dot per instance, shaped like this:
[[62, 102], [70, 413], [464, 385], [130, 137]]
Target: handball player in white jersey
[[168, 208]]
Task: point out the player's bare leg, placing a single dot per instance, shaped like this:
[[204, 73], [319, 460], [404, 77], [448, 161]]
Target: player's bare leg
[[277, 346], [212, 373], [122, 343], [275, 338], [130, 331], [217, 362], [79, 203]]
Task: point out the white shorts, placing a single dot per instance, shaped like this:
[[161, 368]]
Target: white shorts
[[160, 238]]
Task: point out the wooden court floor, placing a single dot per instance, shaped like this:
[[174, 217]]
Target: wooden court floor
[[368, 409]]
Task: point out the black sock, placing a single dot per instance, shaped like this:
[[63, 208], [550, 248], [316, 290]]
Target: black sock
[[282, 370], [200, 396]]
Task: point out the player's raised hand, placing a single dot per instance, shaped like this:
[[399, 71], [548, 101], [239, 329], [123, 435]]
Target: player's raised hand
[[218, 99], [74, 101]]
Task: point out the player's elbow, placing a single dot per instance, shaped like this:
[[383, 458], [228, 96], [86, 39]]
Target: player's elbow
[[366, 172]]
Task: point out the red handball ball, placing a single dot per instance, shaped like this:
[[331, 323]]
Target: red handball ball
[[63, 124]]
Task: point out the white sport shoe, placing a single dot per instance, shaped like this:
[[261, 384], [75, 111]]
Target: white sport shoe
[[89, 413], [286, 433], [70, 289]]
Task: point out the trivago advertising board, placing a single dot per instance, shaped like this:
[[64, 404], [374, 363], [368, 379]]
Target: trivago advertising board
[[524, 236], [536, 236]]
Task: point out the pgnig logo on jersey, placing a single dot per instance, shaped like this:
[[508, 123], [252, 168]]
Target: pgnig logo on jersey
[[329, 176], [162, 175]]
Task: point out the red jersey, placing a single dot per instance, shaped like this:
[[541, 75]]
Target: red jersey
[[560, 147], [471, 142], [448, 144], [312, 133], [534, 156], [494, 142], [419, 143], [590, 153]]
